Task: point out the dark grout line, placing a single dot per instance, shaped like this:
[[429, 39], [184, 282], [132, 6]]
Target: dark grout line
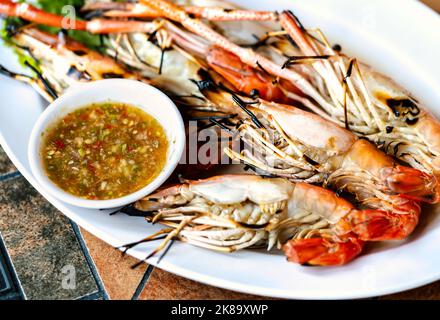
[[89, 260], [143, 282], [18, 293], [10, 175], [94, 296], [11, 296]]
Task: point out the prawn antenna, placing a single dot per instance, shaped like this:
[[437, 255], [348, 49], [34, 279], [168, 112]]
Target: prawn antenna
[[166, 250], [243, 105], [207, 84], [11, 74], [160, 235], [347, 75], [274, 80], [297, 21], [227, 116], [292, 60], [257, 171], [153, 253], [220, 124], [46, 84], [136, 54], [131, 211]]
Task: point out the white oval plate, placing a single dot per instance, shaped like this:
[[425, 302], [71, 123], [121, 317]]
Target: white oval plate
[[401, 41]]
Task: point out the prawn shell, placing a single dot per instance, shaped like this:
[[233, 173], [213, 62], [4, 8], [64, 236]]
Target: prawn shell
[[429, 129], [231, 189], [309, 128], [321, 201], [427, 126], [366, 156]]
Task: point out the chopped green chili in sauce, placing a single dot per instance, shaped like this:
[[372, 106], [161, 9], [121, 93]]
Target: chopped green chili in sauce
[[104, 151]]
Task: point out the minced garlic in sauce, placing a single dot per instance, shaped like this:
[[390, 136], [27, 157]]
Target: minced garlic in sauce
[[104, 151]]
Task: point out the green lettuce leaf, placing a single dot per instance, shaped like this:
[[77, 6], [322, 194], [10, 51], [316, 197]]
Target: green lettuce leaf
[[90, 40]]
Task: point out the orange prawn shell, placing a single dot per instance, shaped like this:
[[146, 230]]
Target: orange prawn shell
[[309, 128]]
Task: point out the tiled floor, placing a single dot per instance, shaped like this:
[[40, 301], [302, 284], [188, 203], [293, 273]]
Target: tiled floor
[[120, 280], [41, 242], [54, 259]]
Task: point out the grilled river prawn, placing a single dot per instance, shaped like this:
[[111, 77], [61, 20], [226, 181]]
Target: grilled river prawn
[[377, 181], [232, 212], [295, 144], [63, 62], [423, 182], [327, 82], [219, 61], [380, 109], [336, 86], [374, 178], [39, 43]]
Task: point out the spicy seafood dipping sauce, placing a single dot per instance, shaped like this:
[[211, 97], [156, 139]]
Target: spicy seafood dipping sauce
[[104, 151]]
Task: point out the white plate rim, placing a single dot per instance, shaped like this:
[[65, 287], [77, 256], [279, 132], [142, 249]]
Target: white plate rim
[[200, 277]]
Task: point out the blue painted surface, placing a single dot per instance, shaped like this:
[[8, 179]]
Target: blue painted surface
[[10, 288]]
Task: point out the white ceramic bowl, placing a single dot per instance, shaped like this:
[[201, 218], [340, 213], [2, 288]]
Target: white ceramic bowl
[[135, 93]]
